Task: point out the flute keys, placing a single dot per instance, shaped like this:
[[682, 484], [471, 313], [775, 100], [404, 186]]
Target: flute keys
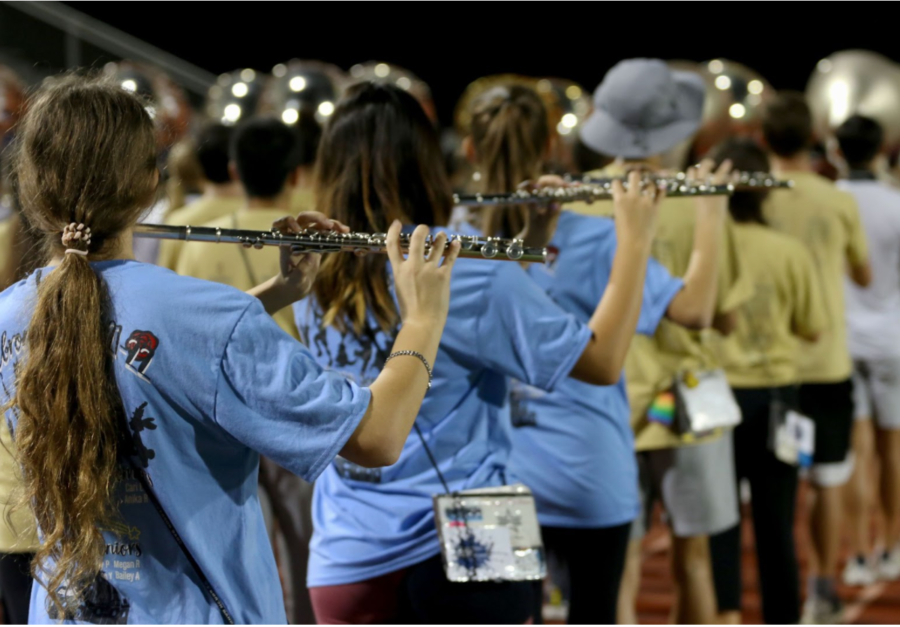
[[515, 251], [489, 249]]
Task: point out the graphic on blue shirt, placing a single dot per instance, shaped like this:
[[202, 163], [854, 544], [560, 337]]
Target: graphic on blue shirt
[[208, 382], [574, 446]]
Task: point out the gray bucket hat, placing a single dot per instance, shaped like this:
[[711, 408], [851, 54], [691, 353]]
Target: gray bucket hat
[[642, 108]]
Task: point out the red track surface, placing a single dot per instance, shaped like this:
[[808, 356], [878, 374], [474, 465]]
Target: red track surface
[[878, 604]]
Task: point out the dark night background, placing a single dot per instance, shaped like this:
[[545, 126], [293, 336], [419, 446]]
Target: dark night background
[[449, 45]]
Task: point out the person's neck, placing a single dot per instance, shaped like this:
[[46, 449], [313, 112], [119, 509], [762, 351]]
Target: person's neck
[[222, 190], [119, 249], [281, 201], [799, 162]]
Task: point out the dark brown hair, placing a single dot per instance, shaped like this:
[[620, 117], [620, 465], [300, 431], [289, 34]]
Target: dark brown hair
[[379, 161], [510, 135], [745, 156], [787, 124], [86, 154]]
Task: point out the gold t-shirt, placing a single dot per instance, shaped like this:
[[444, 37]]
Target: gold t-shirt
[[21, 536], [787, 299], [234, 265], [653, 362], [8, 229], [18, 532], [827, 220], [195, 214]]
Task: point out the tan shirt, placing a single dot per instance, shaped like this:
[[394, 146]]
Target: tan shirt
[[827, 221], [653, 362], [234, 265], [787, 299], [197, 213], [18, 532]]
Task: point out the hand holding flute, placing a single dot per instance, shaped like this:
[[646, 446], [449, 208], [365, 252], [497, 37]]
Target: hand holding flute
[[298, 268]]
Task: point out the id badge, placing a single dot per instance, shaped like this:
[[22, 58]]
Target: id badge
[[794, 439], [490, 534]]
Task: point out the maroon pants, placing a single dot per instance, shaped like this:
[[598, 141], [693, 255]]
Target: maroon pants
[[421, 594]]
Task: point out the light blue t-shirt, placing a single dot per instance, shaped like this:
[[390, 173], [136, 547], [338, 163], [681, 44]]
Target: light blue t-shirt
[[370, 523], [574, 446], [208, 382]]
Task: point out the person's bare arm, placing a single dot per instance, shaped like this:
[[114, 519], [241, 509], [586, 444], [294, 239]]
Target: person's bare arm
[[694, 306], [614, 322], [861, 274], [423, 292]]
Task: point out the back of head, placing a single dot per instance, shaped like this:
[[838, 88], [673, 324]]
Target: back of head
[[745, 156], [860, 139], [787, 124], [379, 161], [308, 134], [265, 152], [510, 135], [86, 155], [213, 146]]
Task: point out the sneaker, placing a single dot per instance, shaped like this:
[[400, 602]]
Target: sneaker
[[822, 611], [888, 565], [858, 572]]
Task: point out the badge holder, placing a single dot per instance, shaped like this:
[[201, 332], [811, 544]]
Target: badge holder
[[793, 435], [490, 534], [706, 402]]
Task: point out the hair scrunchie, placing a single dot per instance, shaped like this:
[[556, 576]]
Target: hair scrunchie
[[76, 237]]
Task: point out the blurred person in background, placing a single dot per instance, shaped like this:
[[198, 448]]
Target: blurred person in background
[[574, 446], [873, 332], [222, 195], [760, 359], [827, 220], [642, 110], [185, 184]]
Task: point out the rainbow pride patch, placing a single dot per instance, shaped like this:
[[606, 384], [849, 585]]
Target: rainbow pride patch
[[662, 410]]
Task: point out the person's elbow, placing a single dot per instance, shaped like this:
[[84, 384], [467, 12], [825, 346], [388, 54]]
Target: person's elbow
[[810, 336], [861, 274], [373, 452], [597, 370], [689, 313]]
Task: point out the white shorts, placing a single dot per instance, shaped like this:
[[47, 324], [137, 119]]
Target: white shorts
[[876, 391], [697, 487]]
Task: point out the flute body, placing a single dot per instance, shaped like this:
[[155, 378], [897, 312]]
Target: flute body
[[600, 189], [310, 241], [590, 189]]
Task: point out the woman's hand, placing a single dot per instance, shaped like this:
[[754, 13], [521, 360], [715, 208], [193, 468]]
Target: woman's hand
[[422, 284], [299, 269], [717, 205], [636, 210]]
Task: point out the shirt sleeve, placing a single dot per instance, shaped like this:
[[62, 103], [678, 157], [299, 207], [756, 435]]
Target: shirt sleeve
[[273, 397], [660, 288], [857, 250], [808, 316], [522, 333]]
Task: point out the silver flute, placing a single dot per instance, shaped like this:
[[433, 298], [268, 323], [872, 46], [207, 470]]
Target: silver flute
[[312, 241], [591, 189]]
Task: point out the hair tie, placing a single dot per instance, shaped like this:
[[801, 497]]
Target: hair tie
[[75, 251], [76, 237]]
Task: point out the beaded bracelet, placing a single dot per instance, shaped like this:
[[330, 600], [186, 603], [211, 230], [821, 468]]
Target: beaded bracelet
[[413, 354]]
